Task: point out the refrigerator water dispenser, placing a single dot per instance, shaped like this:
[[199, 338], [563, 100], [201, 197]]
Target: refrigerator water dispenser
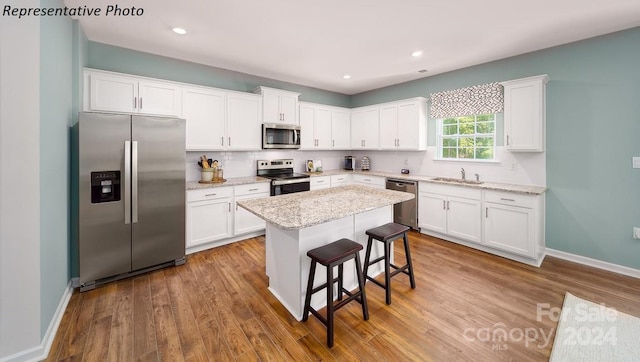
[[105, 186]]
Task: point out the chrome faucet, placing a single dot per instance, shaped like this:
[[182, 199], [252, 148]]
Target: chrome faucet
[[477, 177], [462, 172]]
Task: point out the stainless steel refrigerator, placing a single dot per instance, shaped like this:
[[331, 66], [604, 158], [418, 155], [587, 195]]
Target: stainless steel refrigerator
[[131, 201]]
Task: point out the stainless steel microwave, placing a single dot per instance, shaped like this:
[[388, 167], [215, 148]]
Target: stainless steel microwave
[[276, 135]]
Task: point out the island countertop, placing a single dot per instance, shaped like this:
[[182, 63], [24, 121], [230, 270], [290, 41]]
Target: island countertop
[[304, 209]]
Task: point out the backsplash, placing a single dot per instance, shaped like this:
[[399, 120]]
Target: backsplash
[[530, 168]]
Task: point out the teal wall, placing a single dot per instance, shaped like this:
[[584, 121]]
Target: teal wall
[[593, 130], [107, 57], [56, 99]]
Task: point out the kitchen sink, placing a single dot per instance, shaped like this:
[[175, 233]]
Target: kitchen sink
[[457, 180]]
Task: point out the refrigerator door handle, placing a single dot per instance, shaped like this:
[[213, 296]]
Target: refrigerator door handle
[[134, 182], [127, 182]]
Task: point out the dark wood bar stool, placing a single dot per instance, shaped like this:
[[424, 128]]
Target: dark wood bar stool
[[331, 255], [387, 234]]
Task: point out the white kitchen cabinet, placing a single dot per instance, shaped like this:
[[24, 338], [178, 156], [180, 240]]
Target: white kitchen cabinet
[[403, 125], [365, 128], [315, 127], [209, 215], [244, 221], [244, 121], [512, 223], [341, 180], [525, 114], [278, 106], [114, 92], [340, 129], [374, 181], [204, 112], [451, 210], [320, 182]]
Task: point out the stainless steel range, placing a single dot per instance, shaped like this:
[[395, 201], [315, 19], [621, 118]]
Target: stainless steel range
[[283, 179]]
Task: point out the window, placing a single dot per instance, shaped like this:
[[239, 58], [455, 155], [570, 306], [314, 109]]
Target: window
[[469, 137]]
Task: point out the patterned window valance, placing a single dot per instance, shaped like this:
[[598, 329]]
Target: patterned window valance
[[469, 101]]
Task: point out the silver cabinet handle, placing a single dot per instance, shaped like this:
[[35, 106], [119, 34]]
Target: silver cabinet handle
[[134, 182], [507, 140], [486, 212], [320, 181], [444, 205], [229, 144], [503, 199], [140, 102], [221, 141], [253, 189], [210, 195], [135, 102], [333, 143], [229, 206], [447, 205], [127, 182]]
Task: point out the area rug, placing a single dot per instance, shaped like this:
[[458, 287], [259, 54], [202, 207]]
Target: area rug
[[593, 332]]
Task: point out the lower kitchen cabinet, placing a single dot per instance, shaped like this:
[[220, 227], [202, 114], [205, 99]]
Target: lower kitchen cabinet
[[244, 221], [513, 223], [374, 181], [451, 211], [503, 223], [209, 216], [320, 182], [341, 180]]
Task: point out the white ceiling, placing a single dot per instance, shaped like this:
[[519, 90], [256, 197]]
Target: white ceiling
[[314, 43]]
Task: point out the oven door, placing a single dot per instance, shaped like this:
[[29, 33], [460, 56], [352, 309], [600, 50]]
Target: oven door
[[289, 186], [280, 136]]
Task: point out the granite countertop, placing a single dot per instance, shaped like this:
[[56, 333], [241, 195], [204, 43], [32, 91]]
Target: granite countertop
[[304, 209], [496, 186], [232, 181]]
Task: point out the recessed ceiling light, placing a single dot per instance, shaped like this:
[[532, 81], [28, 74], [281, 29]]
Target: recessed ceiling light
[[180, 31], [346, 76], [417, 53]]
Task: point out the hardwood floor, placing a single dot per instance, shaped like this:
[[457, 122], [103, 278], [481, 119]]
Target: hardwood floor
[[217, 307]]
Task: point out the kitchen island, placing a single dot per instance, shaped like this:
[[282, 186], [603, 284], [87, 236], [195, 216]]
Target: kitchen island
[[299, 222]]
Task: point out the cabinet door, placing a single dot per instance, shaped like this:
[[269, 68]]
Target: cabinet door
[[244, 121], [509, 228], [340, 130], [319, 183], [271, 107], [113, 93], [409, 130], [159, 98], [204, 113], [307, 134], [208, 221], [389, 127], [289, 108], [371, 130], [323, 128], [463, 219], [244, 221], [524, 114], [432, 212], [358, 123]]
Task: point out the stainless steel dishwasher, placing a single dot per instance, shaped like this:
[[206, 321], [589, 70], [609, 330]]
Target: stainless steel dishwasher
[[405, 213]]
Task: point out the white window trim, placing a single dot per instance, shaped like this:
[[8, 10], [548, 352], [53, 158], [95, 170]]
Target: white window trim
[[438, 153]]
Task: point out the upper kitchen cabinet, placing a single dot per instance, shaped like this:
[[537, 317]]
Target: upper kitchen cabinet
[[111, 92], [278, 106], [340, 129], [525, 113], [403, 125], [324, 127], [204, 112], [365, 128], [244, 121]]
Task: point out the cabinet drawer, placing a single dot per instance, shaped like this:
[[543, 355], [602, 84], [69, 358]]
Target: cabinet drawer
[[338, 179], [252, 188], [320, 181], [209, 194], [509, 198], [457, 191], [372, 180]]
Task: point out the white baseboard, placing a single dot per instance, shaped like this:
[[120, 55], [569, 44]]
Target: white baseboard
[[620, 269], [40, 352]]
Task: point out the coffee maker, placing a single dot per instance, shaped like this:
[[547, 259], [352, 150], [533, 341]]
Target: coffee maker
[[349, 163]]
